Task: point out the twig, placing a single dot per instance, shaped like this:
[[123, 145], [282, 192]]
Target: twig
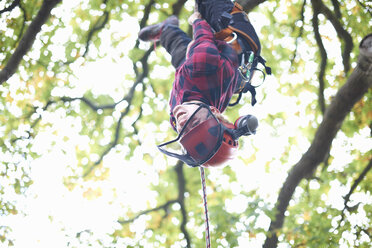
[[165, 207], [300, 32], [323, 55], [353, 187], [100, 24], [341, 33]]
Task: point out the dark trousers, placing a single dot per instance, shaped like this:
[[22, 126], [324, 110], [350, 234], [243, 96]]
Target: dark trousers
[[175, 41]]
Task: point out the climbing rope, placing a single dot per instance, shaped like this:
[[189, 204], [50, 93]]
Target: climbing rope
[[207, 237]]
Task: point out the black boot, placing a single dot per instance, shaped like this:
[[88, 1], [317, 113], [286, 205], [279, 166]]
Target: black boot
[[153, 32]]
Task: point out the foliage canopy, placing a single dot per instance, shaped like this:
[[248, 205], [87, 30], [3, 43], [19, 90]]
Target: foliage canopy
[[82, 100]]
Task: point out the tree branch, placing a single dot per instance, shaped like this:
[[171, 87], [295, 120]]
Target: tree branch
[[14, 4], [128, 98], [146, 13], [302, 17], [165, 207], [357, 181], [181, 199], [323, 55], [178, 6], [353, 187], [368, 8], [341, 33], [23, 24], [249, 5], [33, 124], [336, 7], [113, 143], [356, 86], [27, 40], [100, 24]]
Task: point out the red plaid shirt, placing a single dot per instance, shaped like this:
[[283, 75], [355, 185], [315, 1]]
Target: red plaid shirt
[[208, 74]]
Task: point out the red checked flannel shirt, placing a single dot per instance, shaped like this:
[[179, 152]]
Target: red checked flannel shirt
[[208, 74]]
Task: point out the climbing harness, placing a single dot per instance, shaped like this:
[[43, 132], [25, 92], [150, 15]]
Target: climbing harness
[[233, 39], [246, 71], [235, 28], [207, 237]]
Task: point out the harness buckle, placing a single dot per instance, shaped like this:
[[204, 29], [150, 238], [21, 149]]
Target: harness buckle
[[245, 68]]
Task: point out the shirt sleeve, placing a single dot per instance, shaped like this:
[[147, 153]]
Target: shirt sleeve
[[203, 56]]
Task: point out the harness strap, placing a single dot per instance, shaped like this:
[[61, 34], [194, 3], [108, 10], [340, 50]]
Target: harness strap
[[237, 8], [240, 39], [226, 33]]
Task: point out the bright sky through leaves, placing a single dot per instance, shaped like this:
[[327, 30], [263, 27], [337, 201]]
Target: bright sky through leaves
[[63, 209]]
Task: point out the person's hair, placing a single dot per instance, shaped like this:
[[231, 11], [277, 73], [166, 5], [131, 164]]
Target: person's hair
[[222, 118]]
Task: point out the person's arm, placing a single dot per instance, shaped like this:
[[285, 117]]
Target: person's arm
[[195, 16], [203, 55]]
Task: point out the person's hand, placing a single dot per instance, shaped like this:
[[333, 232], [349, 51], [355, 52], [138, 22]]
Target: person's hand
[[196, 15]]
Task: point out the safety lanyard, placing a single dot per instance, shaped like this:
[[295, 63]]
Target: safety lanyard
[[207, 237]]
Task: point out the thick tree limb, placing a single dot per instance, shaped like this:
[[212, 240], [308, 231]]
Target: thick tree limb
[[356, 86], [14, 4], [178, 6], [249, 5], [28, 39]]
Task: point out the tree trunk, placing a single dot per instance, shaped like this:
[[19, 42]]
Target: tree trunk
[[356, 86]]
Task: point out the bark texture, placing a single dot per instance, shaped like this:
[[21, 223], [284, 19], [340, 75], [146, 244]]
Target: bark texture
[[356, 86]]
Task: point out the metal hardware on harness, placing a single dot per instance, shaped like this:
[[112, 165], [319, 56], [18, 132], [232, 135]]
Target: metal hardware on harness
[[245, 68], [207, 237], [233, 39]]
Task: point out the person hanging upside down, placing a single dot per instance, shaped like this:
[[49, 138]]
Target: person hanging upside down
[[205, 80]]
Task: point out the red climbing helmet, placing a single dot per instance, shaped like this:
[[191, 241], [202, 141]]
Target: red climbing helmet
[[207, 143]]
